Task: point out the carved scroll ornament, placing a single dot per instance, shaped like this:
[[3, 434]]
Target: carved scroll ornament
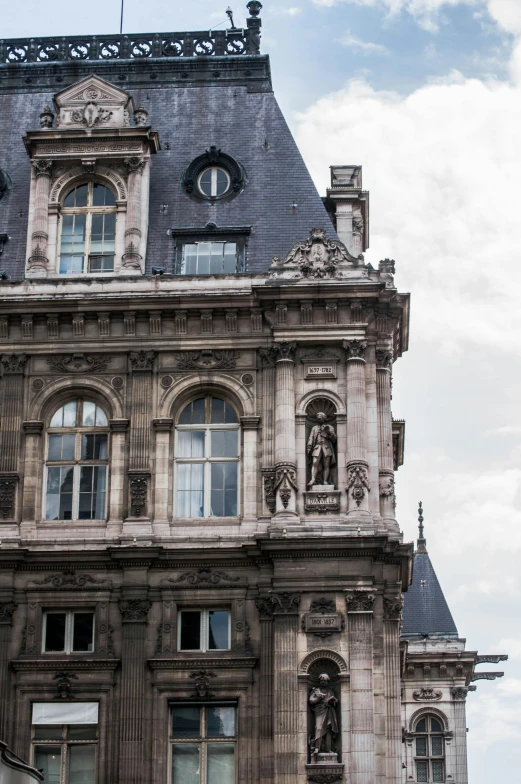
[[427, 694], [357, 482], [316, 257], [78, 363], [206, 360]]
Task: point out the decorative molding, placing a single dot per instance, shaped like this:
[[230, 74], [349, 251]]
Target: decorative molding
[[8, 486], [43, 167], [427, 694], [360, 601], [285, 481], [134, 164], [285, 350], [315, 656], [326, 778], [322, 605], [386, 486], [486, 676], [322, 353], [207, 359], [79, 363], [202, 683], [14, 363], [142, 360], [355, 349], [316, 257], [285, 603], [138, 486], [64, 685], [7, 610], [321, 501], [384, 360], [134, 610], [357, 482], [459, 693], [387, 265], [204, 576], [70, 579], [393, 606], [270, 495], [491, 659]]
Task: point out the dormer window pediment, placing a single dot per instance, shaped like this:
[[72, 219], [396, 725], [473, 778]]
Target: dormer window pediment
[[93, 103]]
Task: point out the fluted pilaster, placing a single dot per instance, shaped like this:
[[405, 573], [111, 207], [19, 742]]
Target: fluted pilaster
[[357, 474], [285, 628], [285, 443], [385, 433], [392, 613], [132, 257], [360, 630]]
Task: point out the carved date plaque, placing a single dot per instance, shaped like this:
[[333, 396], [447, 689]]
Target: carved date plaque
[[323, 624], [320, 371]]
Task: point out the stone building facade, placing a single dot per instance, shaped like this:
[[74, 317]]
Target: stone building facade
[[201, 568]]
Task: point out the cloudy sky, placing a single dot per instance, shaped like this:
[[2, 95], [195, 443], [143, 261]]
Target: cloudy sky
[[426, 95]]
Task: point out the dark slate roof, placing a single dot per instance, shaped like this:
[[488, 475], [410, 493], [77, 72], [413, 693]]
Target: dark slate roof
[[240, 116], [425, 608]]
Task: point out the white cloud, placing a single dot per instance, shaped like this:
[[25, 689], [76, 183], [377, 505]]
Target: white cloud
[[367, 47], [511, 646], [505, 430]]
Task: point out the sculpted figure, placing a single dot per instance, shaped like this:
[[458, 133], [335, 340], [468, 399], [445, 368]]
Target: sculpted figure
[[321, 449], [323, 704]]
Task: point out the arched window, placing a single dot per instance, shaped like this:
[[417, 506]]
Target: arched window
[[429, 749], [214, 181], [88, 231], [76, 463], [207, 459]]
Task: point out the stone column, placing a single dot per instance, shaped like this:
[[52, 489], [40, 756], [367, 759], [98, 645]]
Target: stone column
[[134, 614], [268, 428], [392, 610], [132, 258], [7, 609], [118, 452], [142, 363], [459, 695], [38, 260], [384, 361], [265, 609], [357, 475], [163, 428], [285, 664], [285, 444], [360, 631], [13, 366], [33, 469], [250, 428]]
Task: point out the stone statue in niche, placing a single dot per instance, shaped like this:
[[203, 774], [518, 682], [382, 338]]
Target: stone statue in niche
[[324, 705], [321, 451]]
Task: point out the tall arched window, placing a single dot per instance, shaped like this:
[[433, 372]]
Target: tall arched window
[[207, 459], [77, 463], [88, 231], [430, 749]]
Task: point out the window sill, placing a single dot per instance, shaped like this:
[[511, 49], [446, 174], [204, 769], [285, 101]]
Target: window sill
[[207, 520]]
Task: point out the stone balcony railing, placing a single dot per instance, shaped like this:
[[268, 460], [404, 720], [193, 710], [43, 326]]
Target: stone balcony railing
[[233, 41]]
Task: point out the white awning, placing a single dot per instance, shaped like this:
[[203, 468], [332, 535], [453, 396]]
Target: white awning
[[65, 712]]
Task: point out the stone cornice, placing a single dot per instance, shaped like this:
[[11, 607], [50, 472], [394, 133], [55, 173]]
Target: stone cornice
[[64, 663], [231, 662]]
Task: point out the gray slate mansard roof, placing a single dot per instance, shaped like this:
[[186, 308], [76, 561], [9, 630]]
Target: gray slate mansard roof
[[425, 609], [240, 116]]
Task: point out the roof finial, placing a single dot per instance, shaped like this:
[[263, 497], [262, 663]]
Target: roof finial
[[422, 542]]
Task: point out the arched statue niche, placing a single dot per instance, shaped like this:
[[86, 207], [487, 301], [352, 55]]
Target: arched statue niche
[[324, 712], [321, 447]]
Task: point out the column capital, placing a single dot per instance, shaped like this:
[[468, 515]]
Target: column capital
[[119, 425], [279, 352], [32, 427], [384, 359], [355, 349], [459, 693], [250, 422], [6, 613], [360, 601], [142, 360], [163, 424], [135, 610], [284, 603], [43, 168], [393, 606], [13, 364]]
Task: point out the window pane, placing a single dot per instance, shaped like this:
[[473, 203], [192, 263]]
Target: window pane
[[94, 447], [190, 488], [83, 732], [61, 447], [224, 443], [224, 490], [203, 258], [421, 747], [102, 196], [230, 258], [186, 721], [421, 726], [101, 417], [47, 759], [193, 413], [216, 258], [69, 414], [55, 632], [435, 725], [185, 763], [221, 722], [89, 413], [92, 493], [83, 632], [437, 771], [221, 182], [82, 764], [205, 182], [48, 732], [190, 630], [221, 763], [191, 443], [421, 771], [223, 413], [437, 746], [218, 630], [101, 264], [190, 259], [59, 493]]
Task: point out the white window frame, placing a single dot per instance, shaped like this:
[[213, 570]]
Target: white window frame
[[207, 461], [213, 182], [89, 210], [69, 629], [203, 740], [204, 628], [77, 463]]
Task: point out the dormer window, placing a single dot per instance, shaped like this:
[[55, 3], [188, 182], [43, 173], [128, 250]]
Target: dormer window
[[88, 230], [214, 182]]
